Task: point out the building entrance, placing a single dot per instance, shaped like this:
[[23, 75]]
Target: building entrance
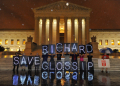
[[61, 31]]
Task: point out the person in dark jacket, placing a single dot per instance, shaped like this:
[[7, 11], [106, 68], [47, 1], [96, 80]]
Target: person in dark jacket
[[23, 61], [89, 57], [30, 60], [16, 63]]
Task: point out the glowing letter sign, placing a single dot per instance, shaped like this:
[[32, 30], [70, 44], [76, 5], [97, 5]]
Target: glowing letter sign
[[15, 60], [59, 65], [44, 49], [89, 48], [37, 60], [45, 65], [82, 49], [67, 47], [74, 47], [59, 47], [51, 49]]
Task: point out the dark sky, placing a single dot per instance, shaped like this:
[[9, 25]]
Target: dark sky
[[18, 14]]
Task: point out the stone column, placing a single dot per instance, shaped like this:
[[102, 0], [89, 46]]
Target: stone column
[[72, 31], [36, 33], [87, 40], [79, 31], [57, 31], [50, 31], [43, 32], [65, 30]]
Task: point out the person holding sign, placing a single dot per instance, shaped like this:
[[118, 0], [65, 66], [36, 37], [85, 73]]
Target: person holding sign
[[30, 61], [74, 57], [23, 61], [16, 60], [105, 56], [89, 57], [37, 61], [67, 56], [81, 57]]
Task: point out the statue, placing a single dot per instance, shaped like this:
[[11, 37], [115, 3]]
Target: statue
[[29, 39], [93, 38]]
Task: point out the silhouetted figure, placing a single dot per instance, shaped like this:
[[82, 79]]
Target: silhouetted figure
[[17, 63]]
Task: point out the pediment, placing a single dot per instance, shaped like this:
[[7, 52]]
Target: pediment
[[61, 6]]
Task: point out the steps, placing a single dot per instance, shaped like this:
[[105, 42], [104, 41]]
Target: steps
[[7, 64]]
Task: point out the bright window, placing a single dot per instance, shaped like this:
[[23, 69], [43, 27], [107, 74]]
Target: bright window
[[6, 41], [118, 42], [12, 41], [112, 42], [106, 42], [18, 41], [100, 42], [23, 41]]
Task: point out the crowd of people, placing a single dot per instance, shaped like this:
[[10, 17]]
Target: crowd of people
[[45, 57]]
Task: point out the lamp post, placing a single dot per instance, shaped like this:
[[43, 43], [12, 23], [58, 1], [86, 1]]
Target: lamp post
[[19, 50]]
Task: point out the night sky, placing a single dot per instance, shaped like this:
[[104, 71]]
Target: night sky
[[18, 14]]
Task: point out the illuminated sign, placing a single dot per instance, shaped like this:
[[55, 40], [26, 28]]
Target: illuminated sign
[[82, 49], [15, 60], [82, 66], [51, 65], [44, 49], [44, 65], [74, 47], [67, 65], [89, 48], [59, 47], [51, 49], [74, 66], [30, 60], [59, 65], [90, 66], [23, 60], [66, 47], [37, 60]]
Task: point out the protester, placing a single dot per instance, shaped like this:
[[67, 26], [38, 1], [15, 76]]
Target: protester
[[23, 61], [59, 56], [105, 56], [89, 57], [45, 57], [30, 61], [81, 57], [74, 57], [67, 56], [52, 57], [17, 55]]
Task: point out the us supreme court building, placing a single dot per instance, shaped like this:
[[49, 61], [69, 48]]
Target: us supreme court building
[[60, 22]]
